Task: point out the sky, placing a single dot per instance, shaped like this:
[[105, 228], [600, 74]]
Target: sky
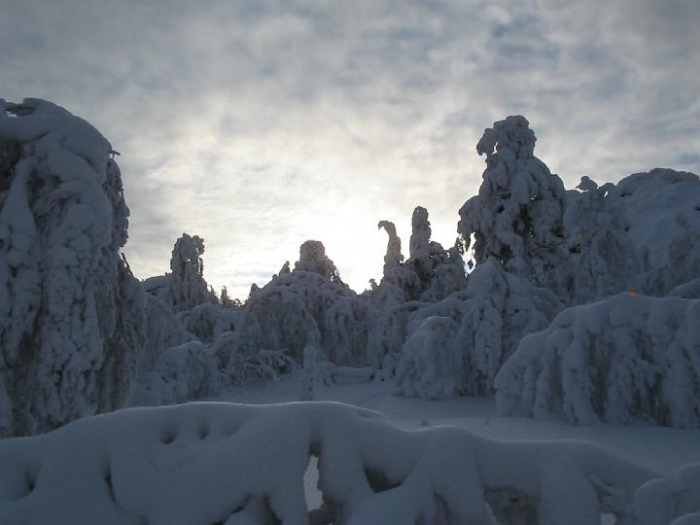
[[259, 124]]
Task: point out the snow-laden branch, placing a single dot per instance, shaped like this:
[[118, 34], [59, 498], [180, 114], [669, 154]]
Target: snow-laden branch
[[232, 464]]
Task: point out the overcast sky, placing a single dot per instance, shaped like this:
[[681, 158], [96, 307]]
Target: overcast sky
[[259, 124]]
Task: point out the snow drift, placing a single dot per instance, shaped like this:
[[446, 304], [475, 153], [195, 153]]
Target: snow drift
[[225, 463]]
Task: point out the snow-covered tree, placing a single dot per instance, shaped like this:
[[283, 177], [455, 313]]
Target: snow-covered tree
[[517, 217], [226, 300], [420, 249], [163, 330], [438, 272], [395, 273], [397, 278], [603, 259], [388, 330], [72, 317], [393, 256], [430, 366], [449, 274], [309, 306], [661, 207], [492, 315], [187, 287], [313, 258], [627, 359], [208, 320]]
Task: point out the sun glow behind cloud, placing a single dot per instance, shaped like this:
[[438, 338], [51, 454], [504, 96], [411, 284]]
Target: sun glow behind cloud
[[260, 124]]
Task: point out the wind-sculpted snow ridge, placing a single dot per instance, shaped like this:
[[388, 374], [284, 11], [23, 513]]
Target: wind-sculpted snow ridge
[[627, 359], [71, 314], [220, 463]]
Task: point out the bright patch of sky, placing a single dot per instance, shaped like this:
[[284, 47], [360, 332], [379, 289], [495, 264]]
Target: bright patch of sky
[[259, 124]]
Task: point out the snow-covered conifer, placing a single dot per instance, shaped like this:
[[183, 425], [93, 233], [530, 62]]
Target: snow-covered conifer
[[661, 207], [309, 306], [72, 317], [492, 314], [187, 287], [313, 258], [438, 272], [430, 367], [419, 247], [517, 215], [623, 360], [602, 260], [394, 272]]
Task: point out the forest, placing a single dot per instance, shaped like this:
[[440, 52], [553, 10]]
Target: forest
[[577, 305]]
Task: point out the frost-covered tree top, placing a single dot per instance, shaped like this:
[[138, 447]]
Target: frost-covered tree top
[[187, 256], [397, 278], [419, 247], [188, 288], [393, 248], [313, 258], [71, 314], [517, 215]]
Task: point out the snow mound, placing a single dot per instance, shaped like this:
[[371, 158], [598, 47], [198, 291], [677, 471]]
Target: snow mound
[[627, 359], [205, 463]]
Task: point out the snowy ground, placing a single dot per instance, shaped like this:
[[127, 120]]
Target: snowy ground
[[238, 462], [663, 450]]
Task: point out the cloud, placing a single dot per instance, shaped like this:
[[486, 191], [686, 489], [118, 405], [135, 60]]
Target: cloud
[[260, 124]]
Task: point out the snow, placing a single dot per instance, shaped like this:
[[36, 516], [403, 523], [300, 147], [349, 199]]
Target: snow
[[627, 359], [517, 217], [226, 463], [429, 367], [660, 205], [72, 323], [582, 307]]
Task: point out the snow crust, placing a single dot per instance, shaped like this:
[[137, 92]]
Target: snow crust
[[233, 464]]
